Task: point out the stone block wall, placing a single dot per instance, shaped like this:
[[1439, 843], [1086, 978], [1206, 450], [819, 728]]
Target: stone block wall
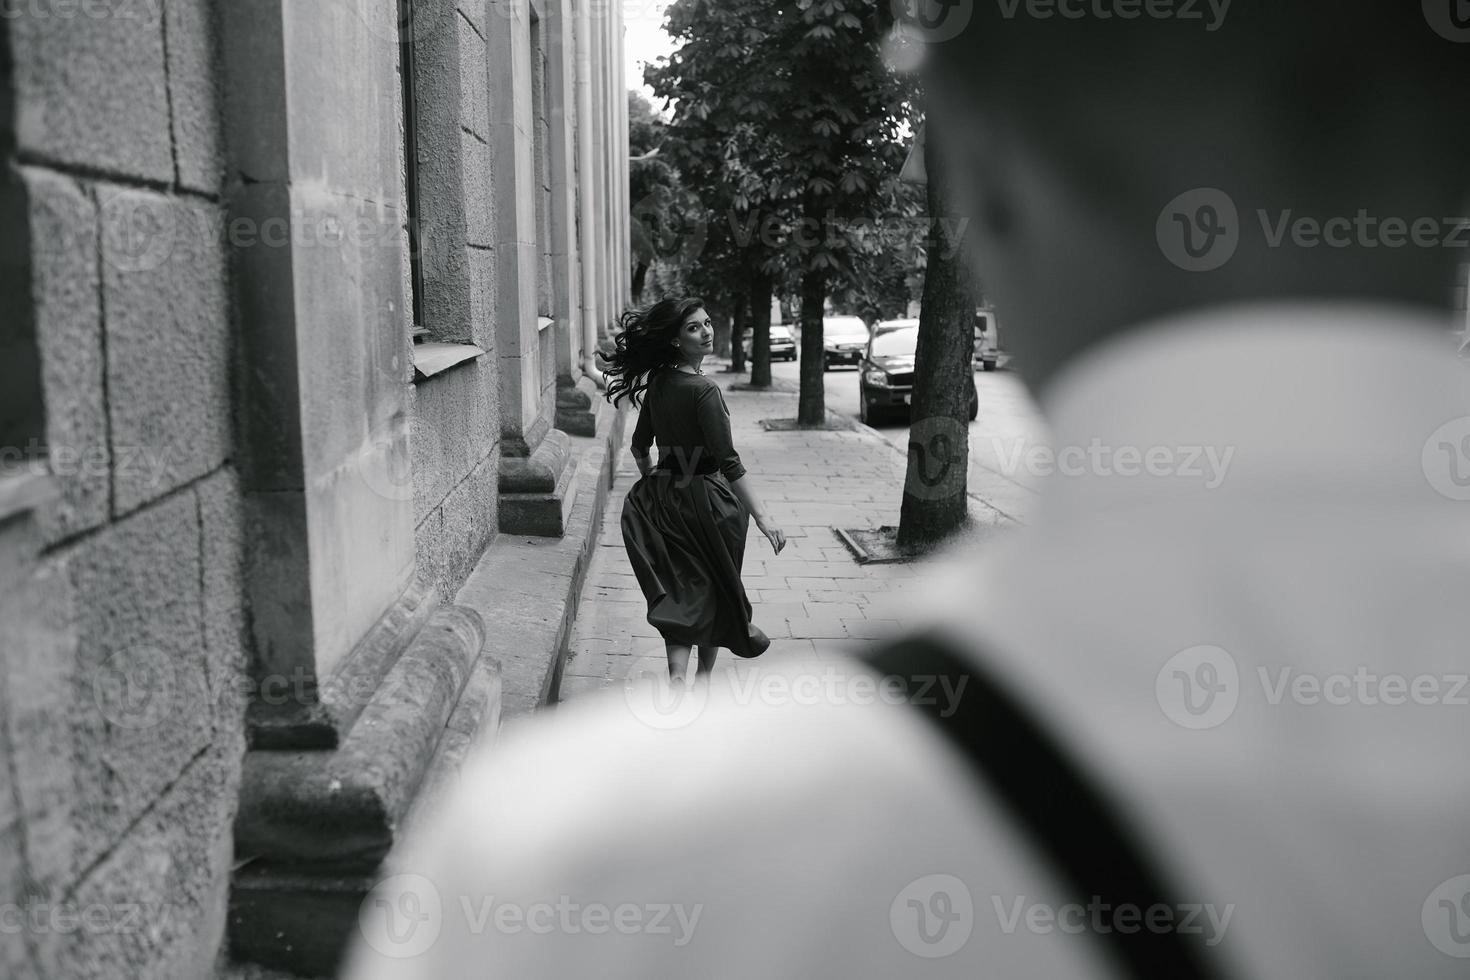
[[456, 424], [208, 395], [121, 717]]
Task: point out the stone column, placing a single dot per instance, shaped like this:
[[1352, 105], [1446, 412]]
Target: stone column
[[624, 293], [536, 473], [589, 202], [575, 391], [316, 229], [607, 92], [361, 671]]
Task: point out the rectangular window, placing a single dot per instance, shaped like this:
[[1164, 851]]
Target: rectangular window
[[408, 68]]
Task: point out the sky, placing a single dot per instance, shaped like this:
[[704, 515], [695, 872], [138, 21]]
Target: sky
[[644, 41]]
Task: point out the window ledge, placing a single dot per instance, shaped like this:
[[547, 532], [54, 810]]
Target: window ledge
[[432, 359], [22, 490]]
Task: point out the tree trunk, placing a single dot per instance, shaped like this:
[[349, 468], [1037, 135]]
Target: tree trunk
[[935, 486], [737, 333], [722, 330], [640, 274], [811, 407], [761, 286]]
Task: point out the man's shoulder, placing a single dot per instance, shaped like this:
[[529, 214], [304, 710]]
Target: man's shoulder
[[763, 737]]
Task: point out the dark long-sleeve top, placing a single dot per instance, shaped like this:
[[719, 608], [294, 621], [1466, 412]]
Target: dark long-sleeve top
[[686, 414]]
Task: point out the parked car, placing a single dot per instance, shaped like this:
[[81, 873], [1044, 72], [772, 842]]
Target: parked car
[[783, 343], [886, 382], [844, 338], [987, 339]]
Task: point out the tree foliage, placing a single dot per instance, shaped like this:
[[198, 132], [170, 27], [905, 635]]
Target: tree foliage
[[785, 125]]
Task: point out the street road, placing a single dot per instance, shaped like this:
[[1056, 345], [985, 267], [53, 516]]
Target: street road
[[1007, 427]]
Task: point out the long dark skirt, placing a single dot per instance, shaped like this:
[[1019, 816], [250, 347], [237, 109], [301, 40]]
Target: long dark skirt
[[685, 537]]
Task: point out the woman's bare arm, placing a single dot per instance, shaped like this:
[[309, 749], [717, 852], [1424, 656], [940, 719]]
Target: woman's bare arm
[[752, 502]]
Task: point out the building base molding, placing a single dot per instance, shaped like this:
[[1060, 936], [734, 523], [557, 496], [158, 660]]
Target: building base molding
[[536, 492], [576, 413], [314, 826]]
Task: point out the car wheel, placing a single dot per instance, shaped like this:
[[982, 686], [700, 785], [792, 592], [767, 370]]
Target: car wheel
[[974, 407], [826, 364]]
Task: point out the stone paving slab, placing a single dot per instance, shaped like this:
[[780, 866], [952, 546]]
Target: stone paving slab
[[811, 599]]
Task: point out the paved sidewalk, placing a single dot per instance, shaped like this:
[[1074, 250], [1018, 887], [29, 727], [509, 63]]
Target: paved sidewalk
[[813, 598]]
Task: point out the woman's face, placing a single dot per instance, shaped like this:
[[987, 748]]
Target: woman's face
[[696, 337]]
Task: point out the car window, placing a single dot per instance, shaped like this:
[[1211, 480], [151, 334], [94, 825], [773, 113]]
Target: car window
[[896, 343], [781, 332], [845, 327]]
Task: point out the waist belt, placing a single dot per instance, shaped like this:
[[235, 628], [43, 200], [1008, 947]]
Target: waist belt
[[703, 465]]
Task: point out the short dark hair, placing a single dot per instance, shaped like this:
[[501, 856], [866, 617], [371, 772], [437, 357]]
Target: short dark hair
[[1302, 69]]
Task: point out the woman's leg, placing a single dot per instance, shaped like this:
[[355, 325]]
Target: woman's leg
[[706, 666], [678, 655]]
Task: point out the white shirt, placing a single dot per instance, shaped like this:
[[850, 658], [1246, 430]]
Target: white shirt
[[1316, 575]]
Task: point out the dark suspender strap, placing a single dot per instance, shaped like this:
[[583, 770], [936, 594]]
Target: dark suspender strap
[[1066, 817]]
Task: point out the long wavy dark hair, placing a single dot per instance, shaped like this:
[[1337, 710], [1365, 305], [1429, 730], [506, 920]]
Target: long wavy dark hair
[[645, 346]]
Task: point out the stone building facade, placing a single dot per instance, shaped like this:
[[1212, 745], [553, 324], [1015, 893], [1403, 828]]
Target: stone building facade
[[298, 301]]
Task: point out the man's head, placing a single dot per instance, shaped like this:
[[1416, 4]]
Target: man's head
[[1126, 159]]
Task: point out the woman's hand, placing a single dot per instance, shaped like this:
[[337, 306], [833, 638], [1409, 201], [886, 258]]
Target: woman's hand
[[773, 533]]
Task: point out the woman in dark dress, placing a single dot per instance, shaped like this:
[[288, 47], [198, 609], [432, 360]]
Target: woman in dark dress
[[685, 521]]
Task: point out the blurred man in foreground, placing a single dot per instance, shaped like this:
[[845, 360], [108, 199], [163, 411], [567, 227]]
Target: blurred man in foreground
[[1231, 649]]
